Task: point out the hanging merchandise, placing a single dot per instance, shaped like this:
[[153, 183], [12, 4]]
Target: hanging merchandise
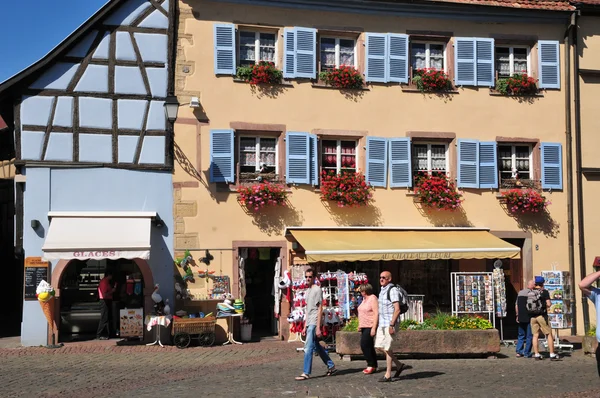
[[253, 254], [241, 268], [277, 286], [343, 293], [473, 293], [499, 289], [137, 290], [264, 253], [221, 287]]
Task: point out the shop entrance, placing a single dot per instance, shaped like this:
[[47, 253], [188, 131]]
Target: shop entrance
[[79, 302], [11, 294], [259, 272]]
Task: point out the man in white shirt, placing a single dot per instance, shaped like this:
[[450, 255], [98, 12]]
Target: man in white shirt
[[593, 293]]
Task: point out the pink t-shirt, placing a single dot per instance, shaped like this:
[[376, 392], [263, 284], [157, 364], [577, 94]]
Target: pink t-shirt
[[367, 312], [105, 291]]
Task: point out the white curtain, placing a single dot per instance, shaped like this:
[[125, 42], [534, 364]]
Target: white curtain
[[241, 263], [276, 289]]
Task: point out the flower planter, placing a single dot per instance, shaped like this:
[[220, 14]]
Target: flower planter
[[346, 189], [429, 342], [524, 201], [517, 85], [437, 192], [432, 80], [589, 344], [345, 78], [262, 73]]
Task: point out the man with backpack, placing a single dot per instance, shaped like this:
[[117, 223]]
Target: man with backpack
[[593, 293], [524, 322], [392, 303], [538, 302]]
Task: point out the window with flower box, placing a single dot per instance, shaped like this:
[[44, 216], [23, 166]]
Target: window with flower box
[[431, 158], [256, 46], [257, 155], [338, 155], [427, 55], [512, 60], [335, 51], [515, 161]]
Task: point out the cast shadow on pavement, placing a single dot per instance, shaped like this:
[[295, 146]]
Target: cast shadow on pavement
[[419, 375]]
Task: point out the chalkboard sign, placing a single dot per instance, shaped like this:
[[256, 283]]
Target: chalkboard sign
[[35, 271]]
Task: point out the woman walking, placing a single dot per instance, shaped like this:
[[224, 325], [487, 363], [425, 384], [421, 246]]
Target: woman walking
[[368, 315]]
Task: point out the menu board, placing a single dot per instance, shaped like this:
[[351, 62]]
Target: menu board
[[474, 293], [131, 323], [36, 271]]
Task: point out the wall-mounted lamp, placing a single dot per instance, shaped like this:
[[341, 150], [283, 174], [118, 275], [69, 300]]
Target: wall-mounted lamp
[[171, 108], [158, 221], [195, 102], [35, 224]]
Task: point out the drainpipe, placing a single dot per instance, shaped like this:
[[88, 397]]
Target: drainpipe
[[579, 176], [569, 159]]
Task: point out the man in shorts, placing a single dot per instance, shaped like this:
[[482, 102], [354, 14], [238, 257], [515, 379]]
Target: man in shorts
[[389, 314], [593, 293], [540, 322]]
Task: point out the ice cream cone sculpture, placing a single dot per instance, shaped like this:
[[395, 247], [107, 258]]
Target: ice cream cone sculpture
[[45, 295]]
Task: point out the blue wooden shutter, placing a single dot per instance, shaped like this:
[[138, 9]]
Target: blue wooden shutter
[[297, 165], [224, 36], [488, 165], [375, 69], [551, 165], [485, 62], [221, 156], [289, 56], [377, 161], [400, 163], [549, 63], [398, 58], [468, 164], [314, 160], [464, 60], [306, 52]]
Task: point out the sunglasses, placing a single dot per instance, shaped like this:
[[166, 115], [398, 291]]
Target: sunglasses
[[382, 277], [309, 277]]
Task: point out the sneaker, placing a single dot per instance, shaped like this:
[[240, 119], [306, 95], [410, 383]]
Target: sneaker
[[555, 357], [539, 357]]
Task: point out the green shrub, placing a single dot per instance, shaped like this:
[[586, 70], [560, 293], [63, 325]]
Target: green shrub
[[351, 325], [591, 331]]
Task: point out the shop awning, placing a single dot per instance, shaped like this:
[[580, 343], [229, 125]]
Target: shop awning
[[98, 235], [374, 244]]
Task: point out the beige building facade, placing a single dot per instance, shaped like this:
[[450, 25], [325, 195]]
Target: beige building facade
[[471, 133]]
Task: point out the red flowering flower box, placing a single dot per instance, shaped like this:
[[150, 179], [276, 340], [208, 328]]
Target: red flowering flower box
[[256, 197], [344, 77], [262, 73], [519, 84], [437, 192], [524, 201], [347, 189], [431, 80]]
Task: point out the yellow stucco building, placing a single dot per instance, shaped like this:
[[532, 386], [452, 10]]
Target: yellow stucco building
[[230, 133]]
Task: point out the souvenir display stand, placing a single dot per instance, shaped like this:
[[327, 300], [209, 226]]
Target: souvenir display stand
[[560, 313], [473, 293], [415, 308], [500, 297]]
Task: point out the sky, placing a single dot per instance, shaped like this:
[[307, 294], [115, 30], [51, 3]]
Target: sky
[[29, 29]]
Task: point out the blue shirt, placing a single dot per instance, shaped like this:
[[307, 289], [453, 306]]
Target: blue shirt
[[595, 297], [386, 307]]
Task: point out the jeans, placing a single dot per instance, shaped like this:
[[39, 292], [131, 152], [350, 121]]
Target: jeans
[[105, 313], [310, 346], [367, 345], [598, 358], [525, 337]]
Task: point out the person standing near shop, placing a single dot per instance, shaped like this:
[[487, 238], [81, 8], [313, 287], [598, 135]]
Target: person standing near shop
[[312, 328], [389, 314], [593, 293], [105, 295], [368, 316], [524, 322], [539, 320]]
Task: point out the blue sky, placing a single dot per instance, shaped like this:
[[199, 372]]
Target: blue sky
[[29, 29]]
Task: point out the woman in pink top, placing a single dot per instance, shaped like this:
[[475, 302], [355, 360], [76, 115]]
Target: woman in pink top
[[368, 315]]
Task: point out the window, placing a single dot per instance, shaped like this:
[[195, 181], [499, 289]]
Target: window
[[256, 47], [427, 55], [430, 158], [338, 155], [511, 60], [515, 161], [258, 154], [336, 52]]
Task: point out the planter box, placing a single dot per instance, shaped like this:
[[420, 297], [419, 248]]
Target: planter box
[[589, 344], [429, 342]]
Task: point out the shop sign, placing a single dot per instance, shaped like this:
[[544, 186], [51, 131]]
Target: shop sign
[[95, 254], [416, 256]]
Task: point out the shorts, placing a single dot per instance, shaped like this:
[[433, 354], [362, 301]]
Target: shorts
[[383, 338], [540, 322]]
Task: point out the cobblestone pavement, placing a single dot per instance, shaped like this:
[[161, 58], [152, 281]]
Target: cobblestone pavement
[[267, 369]]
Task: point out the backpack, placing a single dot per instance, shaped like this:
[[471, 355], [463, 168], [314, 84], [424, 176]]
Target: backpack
[[402, 294], [534, 303]]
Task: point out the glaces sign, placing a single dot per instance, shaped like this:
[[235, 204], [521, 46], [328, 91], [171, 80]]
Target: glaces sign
[[95, 254]]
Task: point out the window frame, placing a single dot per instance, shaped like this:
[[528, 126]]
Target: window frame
[[514, 160], [338, 167], [427, 53], [257, 33], [429, 156], [257, 138], [337, 50], [511, 59]]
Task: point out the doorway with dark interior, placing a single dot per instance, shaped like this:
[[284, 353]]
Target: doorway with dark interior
[[11, 294], [259, 273]]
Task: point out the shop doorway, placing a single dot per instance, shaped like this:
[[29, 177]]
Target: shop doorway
[[11, 294], [259, 272], [79, 302]]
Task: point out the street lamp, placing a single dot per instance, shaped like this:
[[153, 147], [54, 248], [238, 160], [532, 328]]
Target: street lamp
[[171, 108]]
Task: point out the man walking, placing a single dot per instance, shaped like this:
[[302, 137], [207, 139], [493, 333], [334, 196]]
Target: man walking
[[389, 313], [524, 322], [593, 293], [539, 320], [312, 328]]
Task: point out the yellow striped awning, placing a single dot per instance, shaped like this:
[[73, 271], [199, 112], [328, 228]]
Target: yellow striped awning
[[374, 244]]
